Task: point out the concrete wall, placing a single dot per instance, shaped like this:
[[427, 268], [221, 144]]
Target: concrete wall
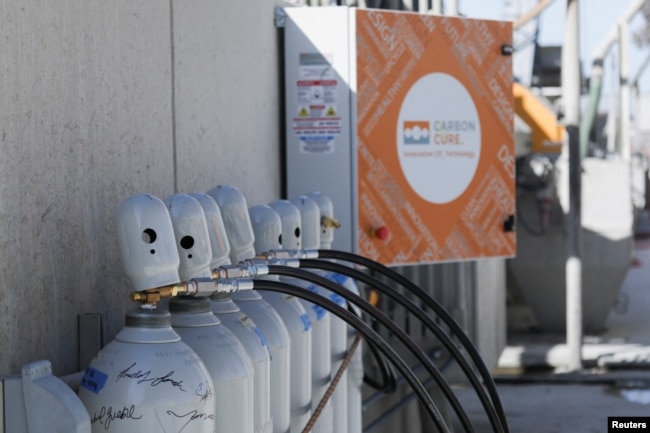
[[227, 106], [101, 100]]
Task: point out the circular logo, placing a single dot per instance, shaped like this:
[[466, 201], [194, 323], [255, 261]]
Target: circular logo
[[438, 138]]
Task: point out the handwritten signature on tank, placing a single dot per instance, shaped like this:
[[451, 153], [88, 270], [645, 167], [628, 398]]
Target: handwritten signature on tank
[[144, 377]]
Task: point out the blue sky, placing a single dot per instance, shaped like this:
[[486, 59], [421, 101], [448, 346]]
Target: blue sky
[[596, 19]]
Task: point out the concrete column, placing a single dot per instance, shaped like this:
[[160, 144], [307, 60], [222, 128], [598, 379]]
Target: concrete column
[[571, 98]]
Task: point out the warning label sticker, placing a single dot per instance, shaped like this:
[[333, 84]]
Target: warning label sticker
[[316, 120], [317, 144]]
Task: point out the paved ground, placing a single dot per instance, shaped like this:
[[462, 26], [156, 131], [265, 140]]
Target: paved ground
[[560, 408], [617, 382]]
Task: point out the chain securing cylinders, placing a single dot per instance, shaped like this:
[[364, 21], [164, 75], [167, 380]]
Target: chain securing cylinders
[[225, 279]]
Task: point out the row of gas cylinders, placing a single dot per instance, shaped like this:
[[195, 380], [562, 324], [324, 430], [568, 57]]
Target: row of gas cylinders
[[231, 363]]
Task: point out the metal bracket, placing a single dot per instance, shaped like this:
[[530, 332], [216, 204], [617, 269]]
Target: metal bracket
[[509, 224], [279, 17], [36, 401], [90, 337]]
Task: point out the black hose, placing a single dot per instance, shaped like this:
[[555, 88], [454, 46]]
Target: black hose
[[389, 412], [438, 309], [374, 398], [388, 384], [425, 318], [382, 318], [368, 333]]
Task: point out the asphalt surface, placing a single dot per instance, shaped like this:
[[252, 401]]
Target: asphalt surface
[[615, 382]]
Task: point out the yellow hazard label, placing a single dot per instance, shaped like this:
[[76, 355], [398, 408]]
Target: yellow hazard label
[[303, 112], [330, 112]]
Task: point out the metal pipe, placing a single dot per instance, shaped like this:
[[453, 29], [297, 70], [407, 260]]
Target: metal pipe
[[595, 90], [571, 98], [624, 92], [596, 78], [635, 86], [451, 8], [637, 77], [606, 43], [531, 14], [461, 295], [612, 116], [436, 7]]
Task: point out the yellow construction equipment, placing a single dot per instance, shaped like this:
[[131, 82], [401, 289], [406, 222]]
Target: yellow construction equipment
[[546, 135]]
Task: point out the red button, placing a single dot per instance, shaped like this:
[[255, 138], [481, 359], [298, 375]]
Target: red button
[[381, 233]]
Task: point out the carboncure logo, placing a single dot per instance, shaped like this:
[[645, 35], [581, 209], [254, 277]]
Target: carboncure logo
[[416, 132], [438, 138]]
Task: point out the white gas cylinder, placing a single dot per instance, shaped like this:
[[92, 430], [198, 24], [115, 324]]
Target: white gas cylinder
[[268, 232], [146, 242], [255, 344], [193, 319], [279, 344], [326, 209], [217, 231], [148, 380], [234, 210], [224, 356], [192, 236], [355, 368], [321, 367], [310, 218]]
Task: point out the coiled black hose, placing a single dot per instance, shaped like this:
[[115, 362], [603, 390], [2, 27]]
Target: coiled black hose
[[382, 318], [388, 384], [438, 309], [422, 316], [368, 333]]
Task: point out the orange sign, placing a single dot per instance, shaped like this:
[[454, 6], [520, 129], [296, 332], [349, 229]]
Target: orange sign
[[435, 151]]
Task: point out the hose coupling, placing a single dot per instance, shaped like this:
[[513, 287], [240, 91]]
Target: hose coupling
[[153, 296], [210, 286], [291, 263], [194, 287], [246, 269], [290, 254], [329, 222]]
